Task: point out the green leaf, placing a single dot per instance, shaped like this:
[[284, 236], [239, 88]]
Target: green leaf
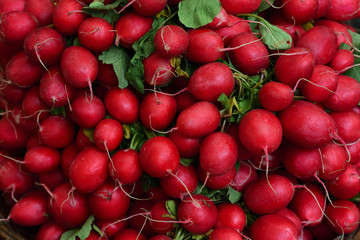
[[355, 39], [264, 5], [135, 73], [224, 100], [274, 37], [107, 12], [245, 106], [81, 233], [118, 57], [186, 161], [97, 5], [194, 14], [345, 46], [233, 195], [171, 207], [354, 72]]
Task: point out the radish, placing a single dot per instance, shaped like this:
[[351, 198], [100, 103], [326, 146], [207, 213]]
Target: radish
[[148, 8], [32, 105], [44, 45], [225, 233], [158, 70], [78, 66], [83, 139], [13, 94], [160, 220], [267, 162], [273, 227], [307, 125], [238, 6], [184, 100], [183, 182], [198, 120], [67, 16], [129, 234], [52, 179], [249, 54], [26, 76], [343, 35], [171, 41], [343, 216], [25, 122], [346, 96], [322, 84], [342, 10], [202, 52], [11, 6], [96, 34], [220, 20], [244, 176], [41, 9], [122, 104], [347, 124], [268, 195], [236, 26], [157, 111], [33, 141], [198, 214], [244, 154], [188, 147], [42, 159], [50, 231], [211, 80], [68, 155], [324, 6], [140, 209], [69, 211], [108, 134], [108, 202], [12, 137], [159, 157], [130, 27], [89, 164], [106, 75], [160, 237], [56, 131], [324, 50], [216, 182], [295, 64], [110, 228], [230, 215], [354, 150], [342, 60], [299, 11], [334, 159], [218, 153], [322, 231], [275, 96], [125, 166], [286, 212]]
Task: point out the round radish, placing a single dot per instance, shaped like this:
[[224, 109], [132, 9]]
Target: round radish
[[342, 60], [340, 10], [171, 41], [244, 176], [161, 237], [12, 137], [347, 125], [343, 216], [216, 182], [106, 75], [269, 161], [230, 215], [53, 178], [324, 6], [343, 35], [41, 9], [108, 134], [11, 6], [158, 70], [149, 8], [50, 231], [32, 105], [275, 96], [129, 234], [225, 233], [188, 147], [110, 228], [42, 159], [13, 94], [239, 6], [236, 26], [299, 11], [83, 139], [333, 159], [292, 217], [160, 220]]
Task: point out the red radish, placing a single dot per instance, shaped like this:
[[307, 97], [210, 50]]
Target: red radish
[[157, 111], [161, 237], [68, 155], [14, 27], [174, 185], [236, 26], [67, 16], [249, 55], [31, 210], [295, 64], [106, 75], [26, 76], [12, 137], [343, 35], [11, 6], [96, 34], [78, 66], [139, 222], [122, 104], [24, 122], [347, 125], [69, 211], [309, 204], [291, 216], [220, 20], [171, 41], [198, 120], [108, 202], [334, 159], [299, 11], [225, 233], [302, 163], [110, 228], [87, 110], [244, 176], [33, 141], [217, 182], [342, 60], [322, 231], [184, 100], [324, 6], [188, 147], [294, 30], [41, 9], [322, 85], [108, 134], [354, 150], [262, 140], [53, 90], [230, 215], [125, 166], [84, 139], [268, 194], [13, 94], [321, 41], [32, 105], [210, 80], [200, 51], [42, 159], [307, 125], [130, 27], [273, 227], [342, 10], [268, 162], [129, 234], [218, 153], [53, 178], [347, 185], [159, 157], [89, 170], [158, 70], [156, 194], [275, 96], [198, 214], [244, 154], [50, 231], [160, 220], [343, 216], [56, 131], [238, 6], [44, 45], [346, 96], [148, 8]]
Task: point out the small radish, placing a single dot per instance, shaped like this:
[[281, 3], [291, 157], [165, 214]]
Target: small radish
[[84, 139], [324, 6], [159, 157], [161, 237], [171, 41], [41, 9], [53, 178], [32, 105], [268, 162], [333, 158], [299, 11], [275, 96], [148, 8], [343, 35], [50, 231], [322, 231], [13, 94], [106, 75], [236, 26], [109, 227], [220, 20], [342, 60], [347, 124], [25, 122], [225, 233], [129, 234], [42, 159], [354, 150], [89, 170], [108, 134], [238, 6], [96, 34], [68, 155], [139, 209], [198, 214], [343, 216], [184, 100], [230, 215], [160, 220], [286, 212], [188, 147], [244, 176], [11, 6], [157, 111], [216, 182], [342, 10], [211, 80], [198, 120]]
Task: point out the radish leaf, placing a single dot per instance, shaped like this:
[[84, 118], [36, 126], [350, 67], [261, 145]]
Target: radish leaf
[[233, 195], [274, 37], [81, 233], [265, 5]]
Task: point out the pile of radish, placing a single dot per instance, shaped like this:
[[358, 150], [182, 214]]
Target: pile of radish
[[180, 119]]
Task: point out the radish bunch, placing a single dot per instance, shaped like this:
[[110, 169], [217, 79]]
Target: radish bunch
[[217, 119]]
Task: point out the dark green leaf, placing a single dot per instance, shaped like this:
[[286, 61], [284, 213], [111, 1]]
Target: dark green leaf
[[186, 161], [194, 14], [274, 37], [245, 105], [354, 72], [233, 195], [97, 5], [81, 233], [120, 61], [355, 39], [135, 73], [264, 5], [224, 100], [345, 46], [171, 207], [107, 12]]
